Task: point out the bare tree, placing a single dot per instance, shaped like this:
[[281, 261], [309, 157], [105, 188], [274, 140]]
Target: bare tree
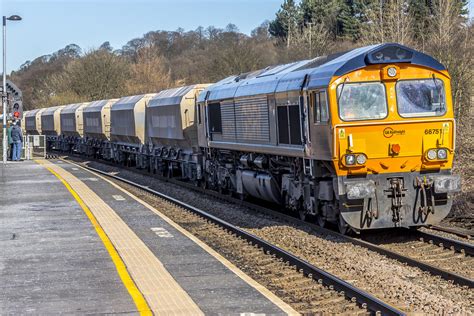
[[100, 74], [149, 74], [388, 21], [451, 42]]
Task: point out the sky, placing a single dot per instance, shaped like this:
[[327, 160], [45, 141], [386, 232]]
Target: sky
[[49, 25]]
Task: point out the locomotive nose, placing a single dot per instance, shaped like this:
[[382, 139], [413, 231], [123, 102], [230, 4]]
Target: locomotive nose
[[401, 147]]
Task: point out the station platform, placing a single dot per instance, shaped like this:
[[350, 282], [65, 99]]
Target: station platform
[[73, 242]]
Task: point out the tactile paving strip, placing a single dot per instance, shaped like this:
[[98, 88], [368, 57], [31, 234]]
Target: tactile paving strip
[[163, 294]]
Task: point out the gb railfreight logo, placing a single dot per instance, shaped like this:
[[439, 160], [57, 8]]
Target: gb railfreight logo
[[389, 132]]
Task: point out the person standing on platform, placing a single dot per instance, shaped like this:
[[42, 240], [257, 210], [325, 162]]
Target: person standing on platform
[[10, 141], [17, 138]]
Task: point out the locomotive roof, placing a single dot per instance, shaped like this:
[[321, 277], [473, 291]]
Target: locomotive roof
[[318, 71]]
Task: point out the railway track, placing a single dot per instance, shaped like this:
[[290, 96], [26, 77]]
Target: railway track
[[460, 233], [449, 258], [428, 252], [312, 290], [447, 243]]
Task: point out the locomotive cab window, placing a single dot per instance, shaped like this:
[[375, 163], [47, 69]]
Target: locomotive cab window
[[424, 97], [215, 120], [320, 107], [289, 124], [362, 101]]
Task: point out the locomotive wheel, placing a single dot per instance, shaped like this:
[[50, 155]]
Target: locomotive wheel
[[241, 196]]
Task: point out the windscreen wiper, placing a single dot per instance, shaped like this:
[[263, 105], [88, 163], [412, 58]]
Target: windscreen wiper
[[342, 90]]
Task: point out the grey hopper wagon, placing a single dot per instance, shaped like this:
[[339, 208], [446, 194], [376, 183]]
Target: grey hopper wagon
[[170, 119], [71, 120], [32, 121], [127, 117], [96, 118], [50, 121]]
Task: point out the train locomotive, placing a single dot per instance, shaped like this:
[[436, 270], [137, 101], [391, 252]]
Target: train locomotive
[[363, 139]]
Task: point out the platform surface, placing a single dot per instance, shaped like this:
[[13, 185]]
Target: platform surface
[[53, 260]]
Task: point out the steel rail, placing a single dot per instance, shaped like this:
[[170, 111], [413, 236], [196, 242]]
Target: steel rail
[[447, 275], [362, 298], [448, 243], [464, 234]]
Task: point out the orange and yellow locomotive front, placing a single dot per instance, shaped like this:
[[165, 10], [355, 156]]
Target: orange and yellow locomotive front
[[393, 141]]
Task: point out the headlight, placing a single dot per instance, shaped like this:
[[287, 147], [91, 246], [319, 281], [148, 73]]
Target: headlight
[[442, 154], [350, 160], [360, 189], [392, 72], [431, 154], [361, 159]]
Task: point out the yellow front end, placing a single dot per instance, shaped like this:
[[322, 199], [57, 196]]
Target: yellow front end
[[393, 140]]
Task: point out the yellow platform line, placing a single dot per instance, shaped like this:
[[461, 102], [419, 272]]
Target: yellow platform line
[[138, 299]]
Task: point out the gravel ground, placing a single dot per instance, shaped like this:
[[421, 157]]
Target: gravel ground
[[464, 220], [405, 287]]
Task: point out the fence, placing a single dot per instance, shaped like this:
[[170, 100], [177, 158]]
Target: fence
[[34, 146]]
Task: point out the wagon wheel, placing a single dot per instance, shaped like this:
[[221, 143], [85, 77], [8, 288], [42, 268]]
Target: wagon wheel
[[203, 183], [302, 214], [343, 227], [220, 189], [301, 211], [321, 221]]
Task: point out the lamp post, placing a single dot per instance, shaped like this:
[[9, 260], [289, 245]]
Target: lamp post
[[4, 91]]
